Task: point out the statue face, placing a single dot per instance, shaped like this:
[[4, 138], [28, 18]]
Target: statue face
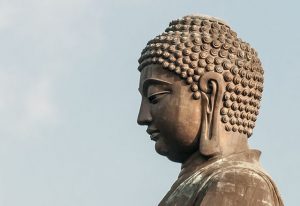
[[171, 114]]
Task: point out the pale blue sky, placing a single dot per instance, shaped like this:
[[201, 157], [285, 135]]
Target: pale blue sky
[[65, 66]]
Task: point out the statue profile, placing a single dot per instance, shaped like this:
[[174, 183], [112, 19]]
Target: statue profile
[[201, 87]]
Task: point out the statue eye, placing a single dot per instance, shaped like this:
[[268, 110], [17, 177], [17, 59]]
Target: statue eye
[[154, 98]]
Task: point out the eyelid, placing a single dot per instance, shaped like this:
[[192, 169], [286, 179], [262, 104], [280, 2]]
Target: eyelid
[[153, 81], [157, 93]]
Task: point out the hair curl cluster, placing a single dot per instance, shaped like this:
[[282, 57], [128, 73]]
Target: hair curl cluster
[[193, 45]]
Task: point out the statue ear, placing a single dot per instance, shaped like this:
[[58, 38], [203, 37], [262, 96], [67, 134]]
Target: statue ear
[[212, 88]]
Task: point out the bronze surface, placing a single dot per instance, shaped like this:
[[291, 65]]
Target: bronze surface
[[201, 87]]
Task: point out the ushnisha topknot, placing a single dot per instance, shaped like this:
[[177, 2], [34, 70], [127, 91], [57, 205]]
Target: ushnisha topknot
[[193, 45]]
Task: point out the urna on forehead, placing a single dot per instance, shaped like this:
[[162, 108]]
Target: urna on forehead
[[194, 45]]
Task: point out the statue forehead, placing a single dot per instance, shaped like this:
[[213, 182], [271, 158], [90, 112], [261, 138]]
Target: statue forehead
[[155, 74], [155, 71], [152, 71]]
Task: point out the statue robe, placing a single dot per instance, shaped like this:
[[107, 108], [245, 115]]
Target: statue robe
[[235, 180]]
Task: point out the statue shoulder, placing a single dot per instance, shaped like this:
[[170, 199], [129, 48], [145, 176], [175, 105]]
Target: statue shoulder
[[239, 186]]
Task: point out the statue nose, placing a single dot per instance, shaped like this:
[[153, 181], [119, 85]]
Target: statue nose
[[144, 117]]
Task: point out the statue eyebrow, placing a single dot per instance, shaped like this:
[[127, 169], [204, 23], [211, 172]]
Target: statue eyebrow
[[150, 81]]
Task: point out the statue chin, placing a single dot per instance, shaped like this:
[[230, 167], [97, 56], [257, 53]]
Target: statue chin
[[175, 156], [160, 148]]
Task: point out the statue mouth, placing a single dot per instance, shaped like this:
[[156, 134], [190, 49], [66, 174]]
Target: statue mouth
[[154, 136], [154, 133]]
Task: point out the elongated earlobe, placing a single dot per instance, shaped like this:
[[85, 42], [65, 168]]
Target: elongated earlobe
[[212, 89]]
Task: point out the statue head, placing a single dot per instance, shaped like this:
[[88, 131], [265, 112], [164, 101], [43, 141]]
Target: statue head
[[201, 88]]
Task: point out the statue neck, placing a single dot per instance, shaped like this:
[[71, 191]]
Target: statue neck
[[198, 161], [231, 144]]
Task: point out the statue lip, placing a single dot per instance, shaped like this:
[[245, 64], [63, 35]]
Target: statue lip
[[153, 133], [154, 136]]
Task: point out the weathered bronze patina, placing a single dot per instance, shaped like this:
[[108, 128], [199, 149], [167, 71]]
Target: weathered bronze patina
[[201, 88]]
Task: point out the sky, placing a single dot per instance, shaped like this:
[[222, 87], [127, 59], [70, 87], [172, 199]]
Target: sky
[[69, 98]]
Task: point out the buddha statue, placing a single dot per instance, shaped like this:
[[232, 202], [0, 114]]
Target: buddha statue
[[201, 87]]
